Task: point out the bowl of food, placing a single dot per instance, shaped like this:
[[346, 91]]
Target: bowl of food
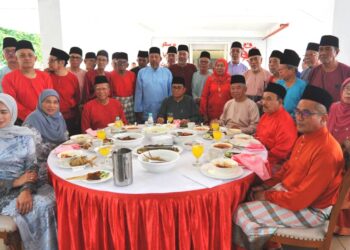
[[128, 140], [68, 154], [183, 135], [233, 131], [158, 161], [155, 131], [133, 128], [81, 139], [242, 137], [223, 146], [201, 129], [224, 166]]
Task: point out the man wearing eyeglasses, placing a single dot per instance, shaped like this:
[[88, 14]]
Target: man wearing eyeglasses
[[276, 128], [330, 74], [67, 86], [25, 83], [310, 59], [179, 105], [9, 53], [235, 67], [123, 85], [75, 60], [303, 191], [88, 89]]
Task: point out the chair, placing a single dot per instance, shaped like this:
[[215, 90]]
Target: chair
[[317, 237], [9, 233]]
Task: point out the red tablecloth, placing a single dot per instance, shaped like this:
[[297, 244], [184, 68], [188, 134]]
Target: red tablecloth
[[201, 219]]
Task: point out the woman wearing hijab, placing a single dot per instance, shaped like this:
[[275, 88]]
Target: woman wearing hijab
[[216, 92], [48, 127], [31, 207], [339, 126]]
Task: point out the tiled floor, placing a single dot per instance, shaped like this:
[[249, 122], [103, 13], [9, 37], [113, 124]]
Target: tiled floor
[[338, 243]]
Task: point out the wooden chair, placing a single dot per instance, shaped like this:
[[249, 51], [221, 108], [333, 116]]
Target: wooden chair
[[317, 237], [9, 233]]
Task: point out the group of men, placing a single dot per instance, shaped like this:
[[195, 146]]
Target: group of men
[[305, 176]]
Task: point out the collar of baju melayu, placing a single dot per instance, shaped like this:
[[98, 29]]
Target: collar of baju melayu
[[180, 99], [279, 111], [318, 133]]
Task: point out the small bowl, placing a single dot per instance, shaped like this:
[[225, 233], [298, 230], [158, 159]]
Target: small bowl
[[223, 146], [155, 131], [171, 158], [133, 128], [242, 137], [183, 135], [224, 166], [200, 130], [233, 131], [128, 140], [81, 138]]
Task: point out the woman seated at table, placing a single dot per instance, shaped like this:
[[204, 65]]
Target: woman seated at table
[[339, 126], [32, 208], [49, 128]]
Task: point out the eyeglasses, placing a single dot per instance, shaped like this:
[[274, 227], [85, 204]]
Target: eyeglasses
[[305, 113], [177, 87]]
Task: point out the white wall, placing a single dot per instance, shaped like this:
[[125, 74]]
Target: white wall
[[303, 28], [341, 29]]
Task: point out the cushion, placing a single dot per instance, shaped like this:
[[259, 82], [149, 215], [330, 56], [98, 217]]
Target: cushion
[[315, 233], [7, 224]]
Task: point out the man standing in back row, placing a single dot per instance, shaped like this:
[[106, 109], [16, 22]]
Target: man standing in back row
[[184, 69], [235, 67], [9, 52]]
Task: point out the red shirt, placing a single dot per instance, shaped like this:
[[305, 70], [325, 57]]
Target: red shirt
[[89, 82], [214, 96], [96, 115], [312, 175], [277, 131], [186, 72], [123, 85], [68, 89], [26, 91]]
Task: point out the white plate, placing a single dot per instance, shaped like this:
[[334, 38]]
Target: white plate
[[72, 153], [134, 151], [243, 142], [101, 180], [208, 170]]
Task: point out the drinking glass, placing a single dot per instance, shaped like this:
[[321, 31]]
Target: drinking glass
[[104, 151], [170, 118], [101, 134], [215, 126], [217, 134], [197, 151]]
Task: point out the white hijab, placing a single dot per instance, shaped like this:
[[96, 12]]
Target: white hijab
[[11, 131]]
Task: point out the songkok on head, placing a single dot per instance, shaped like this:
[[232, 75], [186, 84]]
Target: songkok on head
[[9, 42], [154, 50], [205, 54], [290, 57], [102, 53], [182, 47], [236, 44], [24, 44], [277, 54], [329, 40], [90, 55], [277, 89], [142, 53], [60, 54], [317, 94], [122, 55], [237, 79], [254, 52], [313, 46], [178, 80], [172, 50], [115, 55], [101, 79], [76, 50]]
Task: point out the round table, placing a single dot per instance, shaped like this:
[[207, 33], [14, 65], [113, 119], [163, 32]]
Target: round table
[[179, 209]]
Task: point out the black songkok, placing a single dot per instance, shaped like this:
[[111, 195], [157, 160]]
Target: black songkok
[[237, 79], [317, 94], [277, 89]]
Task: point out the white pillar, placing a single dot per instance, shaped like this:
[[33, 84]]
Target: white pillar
[[50, 26], [341, 20]]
